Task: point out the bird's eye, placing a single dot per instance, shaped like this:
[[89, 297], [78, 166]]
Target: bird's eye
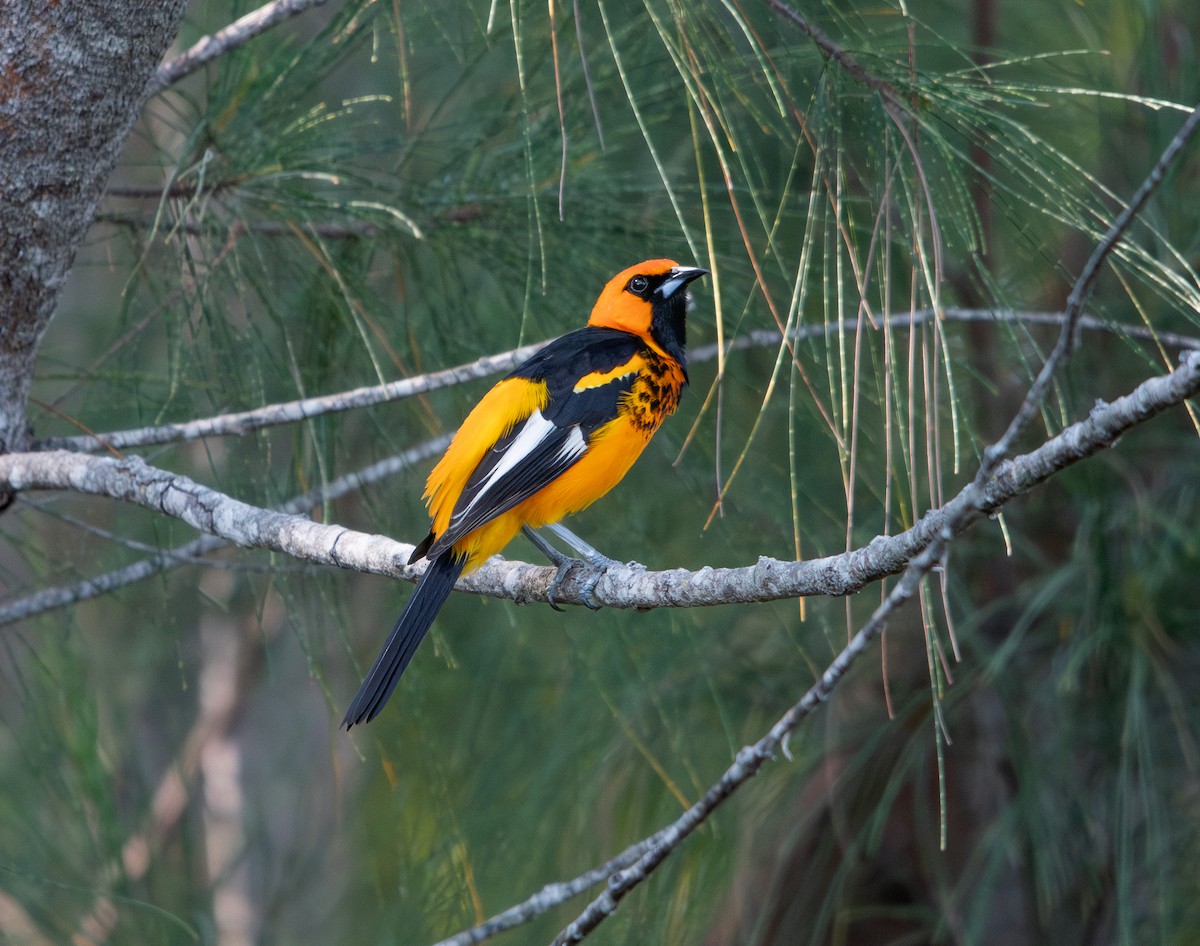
[[638, 285]]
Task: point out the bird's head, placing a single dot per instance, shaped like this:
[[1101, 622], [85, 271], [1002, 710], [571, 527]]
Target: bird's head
[[650, 300]]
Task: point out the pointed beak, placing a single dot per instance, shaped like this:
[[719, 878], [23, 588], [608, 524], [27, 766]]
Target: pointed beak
[[679, 277]]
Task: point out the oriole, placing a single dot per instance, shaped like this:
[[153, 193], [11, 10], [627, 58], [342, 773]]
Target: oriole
[[546, 441]]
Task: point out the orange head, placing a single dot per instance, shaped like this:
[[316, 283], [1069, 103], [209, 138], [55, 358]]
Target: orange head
[[649, 300]]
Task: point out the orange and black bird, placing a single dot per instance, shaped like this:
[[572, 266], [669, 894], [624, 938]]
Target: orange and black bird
[[551, 438]]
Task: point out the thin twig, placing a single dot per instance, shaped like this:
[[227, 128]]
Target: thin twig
[[181, 190], [587, 78], [1082, 290], [562, 117], [550, 896], [293, 411], [236, 34], [833, 52], [269, 228], [760, 338], [750, 759], [225, 425]]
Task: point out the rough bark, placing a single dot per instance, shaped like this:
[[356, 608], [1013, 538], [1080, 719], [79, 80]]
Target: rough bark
[[73, 78]]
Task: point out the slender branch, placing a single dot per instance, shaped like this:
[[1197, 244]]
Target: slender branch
[[750, 759], [242, 423], [236, 34], [291, 412], [551, 896], [1082, 290], [759, 338], [587, 77], [189, 553], [835, 53], [267, 228], [185, 189]]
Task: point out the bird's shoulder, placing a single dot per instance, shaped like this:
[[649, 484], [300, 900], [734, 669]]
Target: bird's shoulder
[[585, 351]]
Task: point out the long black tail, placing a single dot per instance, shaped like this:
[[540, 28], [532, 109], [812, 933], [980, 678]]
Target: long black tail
[[432, 591]]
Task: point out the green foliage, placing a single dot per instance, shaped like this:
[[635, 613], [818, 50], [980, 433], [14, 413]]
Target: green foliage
[[374, 190]]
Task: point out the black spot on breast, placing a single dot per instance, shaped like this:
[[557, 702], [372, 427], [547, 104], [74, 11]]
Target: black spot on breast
[[654, 395]]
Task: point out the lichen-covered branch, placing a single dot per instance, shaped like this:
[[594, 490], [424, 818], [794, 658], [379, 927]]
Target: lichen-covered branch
[[211, 511], [194, 551], [290, 412]]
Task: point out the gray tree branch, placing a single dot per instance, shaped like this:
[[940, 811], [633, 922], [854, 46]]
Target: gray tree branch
[[289, 412], [1082, 291], [236, 34], [133, 480], [193, 552]]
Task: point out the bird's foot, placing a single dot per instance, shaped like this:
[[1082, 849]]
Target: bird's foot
[[596, 563], [565, 565], [596, 567]]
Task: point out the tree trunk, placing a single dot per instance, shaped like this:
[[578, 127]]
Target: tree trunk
[[73, 78]]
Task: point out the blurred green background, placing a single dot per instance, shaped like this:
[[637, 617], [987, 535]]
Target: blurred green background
[[373, 190]]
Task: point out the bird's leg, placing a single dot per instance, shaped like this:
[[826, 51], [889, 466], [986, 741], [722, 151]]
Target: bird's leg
[[590, 558], [564, 562], [590, 555], [599, 562]]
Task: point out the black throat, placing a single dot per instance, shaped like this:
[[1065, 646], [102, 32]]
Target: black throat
[[668, 327]]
